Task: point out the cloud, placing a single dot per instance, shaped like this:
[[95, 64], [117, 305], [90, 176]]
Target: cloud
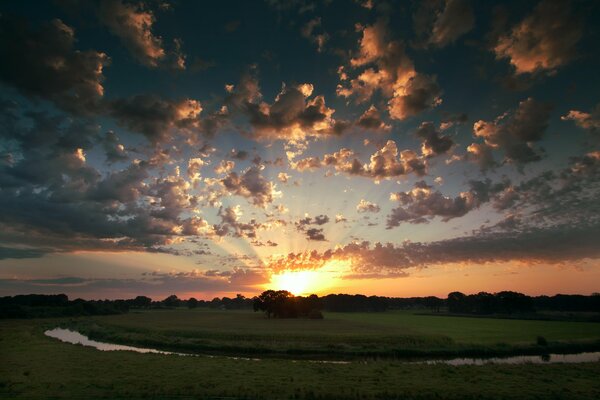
[[303, 225], [309, 32], [133, 24], [295, 114], [283, 177], [551, 245], [544, 41], [154, 117], [55, 201], [43, 63], [114, 151], [386, 68], [588, 121], [340, 218], [231, 225], [17, 253], [157, 285], [433, 142], [387, 162], [442, 23], [513, 132], [251, 185], [422, 203], [315, 234], [364, 206], [371, 120]]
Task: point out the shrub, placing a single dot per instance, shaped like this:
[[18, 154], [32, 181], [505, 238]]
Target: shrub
[[315, 314], [541, 341]]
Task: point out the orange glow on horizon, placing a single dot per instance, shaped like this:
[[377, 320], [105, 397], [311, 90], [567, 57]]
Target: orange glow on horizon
[[310, 281]]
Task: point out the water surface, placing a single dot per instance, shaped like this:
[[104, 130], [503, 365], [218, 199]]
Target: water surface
[[74, 337]]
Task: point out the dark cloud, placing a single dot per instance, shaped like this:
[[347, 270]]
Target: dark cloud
[[157, 285], [312, 31], [433, 142], [16, 253], [303, 225], [440, 23], [295, 113], [371, 120], [251, 185], [155, 117], [544, 41], [513, 132], [115, 151], [133, 23], [422, 203], [42, 63], [386, 68], [231, 224], [315, 234]]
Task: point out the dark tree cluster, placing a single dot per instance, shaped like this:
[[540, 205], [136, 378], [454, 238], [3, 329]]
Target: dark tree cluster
[[239, 302], [283, 304], [505, 302], [59, 305], [568, 302], [362, 303]]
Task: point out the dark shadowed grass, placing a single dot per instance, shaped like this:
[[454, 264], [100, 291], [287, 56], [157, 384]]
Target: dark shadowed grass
[[340, 335], [37, 367]]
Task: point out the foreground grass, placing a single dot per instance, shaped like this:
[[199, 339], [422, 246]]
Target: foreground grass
[[339, 335], [36, 367]]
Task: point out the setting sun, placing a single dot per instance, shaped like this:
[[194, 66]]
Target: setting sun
[[296, 282]]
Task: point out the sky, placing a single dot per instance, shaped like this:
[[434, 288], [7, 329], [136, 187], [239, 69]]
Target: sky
[[396, 148]]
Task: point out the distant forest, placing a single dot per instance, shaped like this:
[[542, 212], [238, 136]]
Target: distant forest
[[282, 304]]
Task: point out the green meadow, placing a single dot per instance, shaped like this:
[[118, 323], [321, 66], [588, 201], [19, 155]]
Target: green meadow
[[379, 346]]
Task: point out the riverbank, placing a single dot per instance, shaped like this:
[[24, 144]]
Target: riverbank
[[38, 367]]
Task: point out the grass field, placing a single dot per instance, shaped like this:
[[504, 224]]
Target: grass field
[[33, 366], [339, 335]]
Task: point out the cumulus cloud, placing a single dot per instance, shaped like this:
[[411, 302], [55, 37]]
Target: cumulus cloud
[[386, 68], [154, 117], [133, 23], [442, 23], [422, 203], [251, 185], [371, 120], [588, 121], [55, 201], [303, 225], [433, 142], [115, 151], [513, 132], [43, 63], [387, 162], [315, 234], [295, 114], [364, 206], [544, 41], [231, 224]]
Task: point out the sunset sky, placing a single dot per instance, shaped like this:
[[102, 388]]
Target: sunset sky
[[211, 148]]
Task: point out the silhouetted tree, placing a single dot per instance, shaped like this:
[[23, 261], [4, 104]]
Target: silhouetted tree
[[141, 302], [192, 302], [172, 301]]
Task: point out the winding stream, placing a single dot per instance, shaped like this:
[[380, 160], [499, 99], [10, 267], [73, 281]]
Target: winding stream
[[74, 337]]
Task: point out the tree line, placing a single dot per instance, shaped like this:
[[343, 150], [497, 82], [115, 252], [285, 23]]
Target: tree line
[[283, 304]]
